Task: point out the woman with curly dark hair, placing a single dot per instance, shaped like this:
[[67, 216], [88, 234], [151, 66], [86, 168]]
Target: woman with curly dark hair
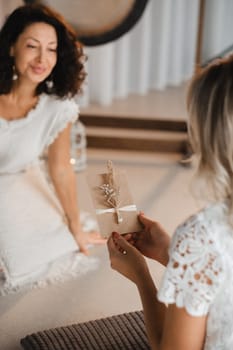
[[41, 70]]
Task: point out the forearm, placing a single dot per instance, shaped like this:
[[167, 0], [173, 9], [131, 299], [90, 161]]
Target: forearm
[[154, 311], [165, 256], [64, 181]]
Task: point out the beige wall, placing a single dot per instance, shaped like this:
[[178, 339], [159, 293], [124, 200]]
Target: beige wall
[[6, 6]]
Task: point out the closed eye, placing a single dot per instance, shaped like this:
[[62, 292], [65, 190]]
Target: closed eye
[[31, 46]]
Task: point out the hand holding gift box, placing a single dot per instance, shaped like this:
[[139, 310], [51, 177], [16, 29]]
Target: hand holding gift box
[[113, 202]]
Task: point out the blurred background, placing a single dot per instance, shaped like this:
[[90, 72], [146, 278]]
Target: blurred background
[[141, 55], [160, 50]]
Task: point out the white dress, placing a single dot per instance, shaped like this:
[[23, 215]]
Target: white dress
[[36, 246], [199, 275]]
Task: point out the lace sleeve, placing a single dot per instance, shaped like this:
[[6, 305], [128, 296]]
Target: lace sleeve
[[194, 273]]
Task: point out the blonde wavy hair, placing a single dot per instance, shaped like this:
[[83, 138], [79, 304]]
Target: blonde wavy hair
[[210, 127]]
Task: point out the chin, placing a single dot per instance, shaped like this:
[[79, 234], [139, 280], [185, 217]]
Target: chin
[[38, 81]]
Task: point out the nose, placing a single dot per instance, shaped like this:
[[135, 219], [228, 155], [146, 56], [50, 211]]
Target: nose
[[41, 55]]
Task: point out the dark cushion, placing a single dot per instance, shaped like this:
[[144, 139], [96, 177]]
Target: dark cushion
[[125, 331]]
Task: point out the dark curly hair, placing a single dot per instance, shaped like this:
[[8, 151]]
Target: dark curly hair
[[68, 73]]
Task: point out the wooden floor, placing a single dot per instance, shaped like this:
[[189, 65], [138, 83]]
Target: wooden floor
[[169, 104], [153, 122]]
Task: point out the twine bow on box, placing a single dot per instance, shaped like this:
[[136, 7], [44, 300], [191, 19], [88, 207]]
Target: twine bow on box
[[112, 196]]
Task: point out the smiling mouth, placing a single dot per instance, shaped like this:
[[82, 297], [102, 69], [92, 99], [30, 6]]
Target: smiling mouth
[[38, 70]]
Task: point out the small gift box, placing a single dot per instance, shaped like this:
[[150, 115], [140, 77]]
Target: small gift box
[[113, 202]]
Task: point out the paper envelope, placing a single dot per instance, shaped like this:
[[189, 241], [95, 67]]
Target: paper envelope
[[106, 215]]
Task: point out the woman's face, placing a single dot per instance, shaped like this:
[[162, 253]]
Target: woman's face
[[35, 52]]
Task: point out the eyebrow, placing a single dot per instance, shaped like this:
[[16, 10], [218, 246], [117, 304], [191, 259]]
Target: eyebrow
[[30, 37]]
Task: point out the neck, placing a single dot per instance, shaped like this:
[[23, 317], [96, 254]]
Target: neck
[[25, 91]]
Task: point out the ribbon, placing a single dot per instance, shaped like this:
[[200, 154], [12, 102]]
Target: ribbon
[[131, 207]]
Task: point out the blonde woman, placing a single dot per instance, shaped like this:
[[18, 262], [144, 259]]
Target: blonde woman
[[193, 309]]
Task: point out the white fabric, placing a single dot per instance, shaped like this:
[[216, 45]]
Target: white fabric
[[199, 274], [22, 141], [217, 34], [33, 231], [157, 52]]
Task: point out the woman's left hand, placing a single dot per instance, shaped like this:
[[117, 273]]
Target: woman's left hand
[[126, 259]]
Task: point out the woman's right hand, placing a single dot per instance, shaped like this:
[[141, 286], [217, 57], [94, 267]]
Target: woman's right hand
[[152, 241], [126, 259], [84, 239]]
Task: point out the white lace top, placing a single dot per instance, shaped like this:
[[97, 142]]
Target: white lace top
[[199, 275]]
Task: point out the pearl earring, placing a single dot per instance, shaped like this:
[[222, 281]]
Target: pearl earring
[[15, 75], [49, 84]]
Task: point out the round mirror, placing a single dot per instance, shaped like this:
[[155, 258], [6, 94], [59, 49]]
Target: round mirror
[[98, 21]]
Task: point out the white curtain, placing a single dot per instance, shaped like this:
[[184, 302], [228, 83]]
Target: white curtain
[[218, 28], [159, 51]]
